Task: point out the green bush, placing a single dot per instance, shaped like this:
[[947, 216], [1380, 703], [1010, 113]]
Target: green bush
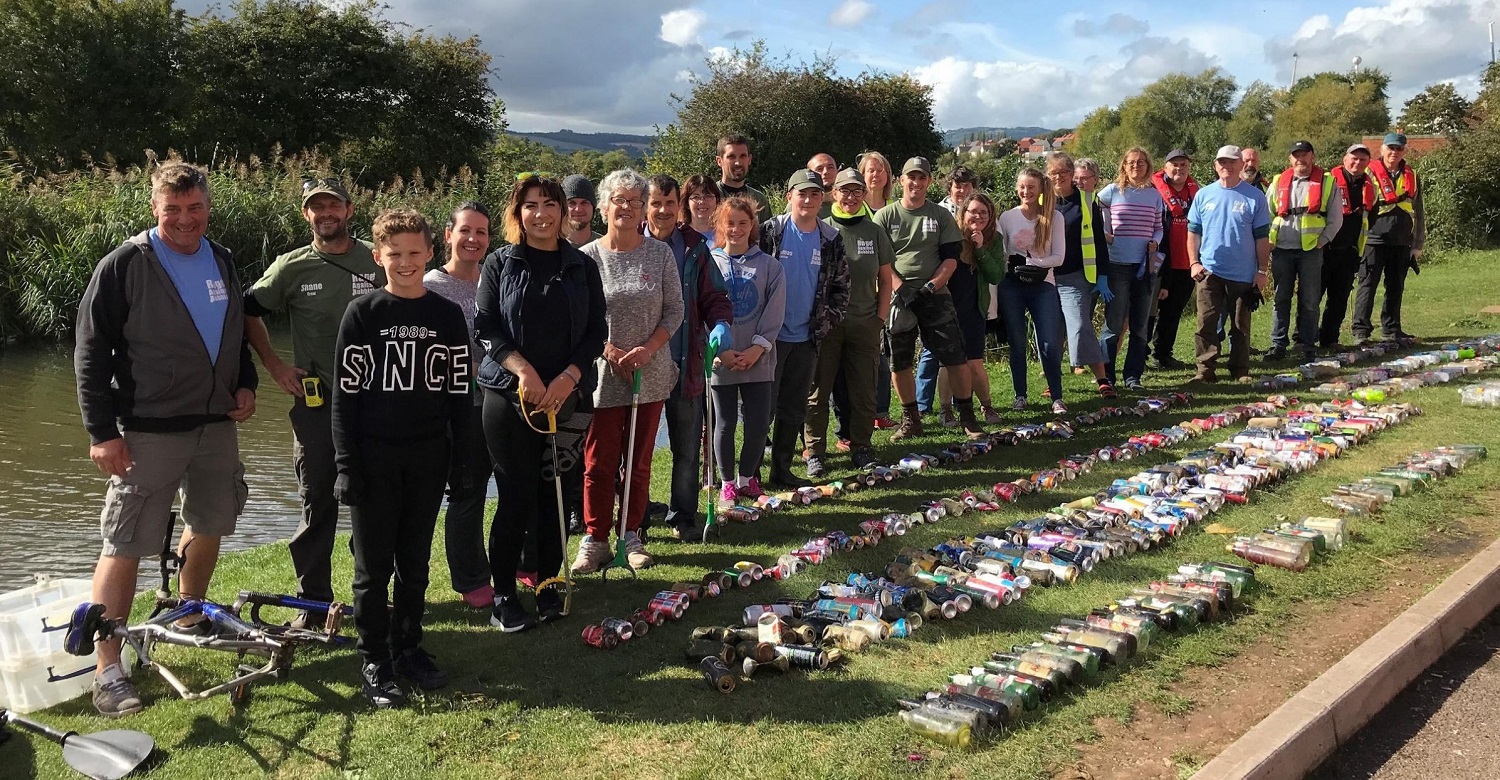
[[1461, 195]]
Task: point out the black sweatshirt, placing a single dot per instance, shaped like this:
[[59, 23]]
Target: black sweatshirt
[[404, 374]]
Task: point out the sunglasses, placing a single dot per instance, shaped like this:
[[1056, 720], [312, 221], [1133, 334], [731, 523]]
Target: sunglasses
[[309, 185], [534, 175]]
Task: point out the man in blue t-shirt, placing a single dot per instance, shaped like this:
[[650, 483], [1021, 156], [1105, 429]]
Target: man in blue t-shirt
[[1229, 247]]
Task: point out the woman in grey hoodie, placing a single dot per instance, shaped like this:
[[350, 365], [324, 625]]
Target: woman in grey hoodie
[[744, 372]]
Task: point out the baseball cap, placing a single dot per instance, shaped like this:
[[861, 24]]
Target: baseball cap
[[1228, 152], [917, 164], [1175, 153], [579, 186], [1395, 139], [848, 176], [326, 186], [1357, 148], [1302, 146], [804, 180]]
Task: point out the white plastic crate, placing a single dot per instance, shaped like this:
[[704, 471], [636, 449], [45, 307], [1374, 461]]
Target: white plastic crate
[[40, 682], [34, 619]]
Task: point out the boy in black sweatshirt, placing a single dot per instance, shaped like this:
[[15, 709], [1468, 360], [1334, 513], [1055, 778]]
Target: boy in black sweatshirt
[[403, 385]]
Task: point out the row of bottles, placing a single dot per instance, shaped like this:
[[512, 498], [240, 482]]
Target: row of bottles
[[1423, 369]]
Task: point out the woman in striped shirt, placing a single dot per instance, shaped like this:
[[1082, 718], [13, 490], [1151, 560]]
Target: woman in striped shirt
[[1133, 227]]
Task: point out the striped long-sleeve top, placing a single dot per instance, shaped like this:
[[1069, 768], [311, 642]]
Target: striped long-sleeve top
[[1133, 216]]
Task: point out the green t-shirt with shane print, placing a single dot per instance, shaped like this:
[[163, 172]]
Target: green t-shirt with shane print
[[314, 289], [916, 235], [867, 248]]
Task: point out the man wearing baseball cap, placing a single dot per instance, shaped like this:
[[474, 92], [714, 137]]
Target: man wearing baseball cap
[[927, 242], [1307, 210], [1229, 254], [1342, 257], [314, 285], [1394, 243], [816, 278]]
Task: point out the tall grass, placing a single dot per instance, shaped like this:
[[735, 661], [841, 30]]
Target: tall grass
[[57, 227]]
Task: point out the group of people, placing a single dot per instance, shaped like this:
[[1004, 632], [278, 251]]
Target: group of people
[[533, 363]]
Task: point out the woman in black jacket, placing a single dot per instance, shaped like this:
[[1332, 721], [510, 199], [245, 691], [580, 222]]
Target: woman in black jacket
[[539, 317]]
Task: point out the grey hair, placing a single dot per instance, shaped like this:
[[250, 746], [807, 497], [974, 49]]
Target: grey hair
[[1089, 164], [623, 179]]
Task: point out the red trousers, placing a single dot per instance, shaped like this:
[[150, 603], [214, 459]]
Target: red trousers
[[604, 459]]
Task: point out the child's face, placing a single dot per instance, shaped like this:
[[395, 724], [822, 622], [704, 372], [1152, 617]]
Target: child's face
[[404, 257]]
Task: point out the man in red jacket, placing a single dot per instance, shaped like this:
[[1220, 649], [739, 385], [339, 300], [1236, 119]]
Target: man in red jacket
[[706, 301], [1177, 189]]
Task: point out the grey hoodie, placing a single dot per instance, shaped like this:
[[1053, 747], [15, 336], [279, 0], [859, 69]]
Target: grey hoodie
[[758, 294]]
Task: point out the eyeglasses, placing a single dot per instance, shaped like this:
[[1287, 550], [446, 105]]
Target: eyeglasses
[[702, 198], [311, 184], [534, 175], [634, 203]]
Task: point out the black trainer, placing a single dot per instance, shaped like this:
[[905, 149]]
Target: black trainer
[[549, 605], [416, 665], [378, 684], [862, 457], [688, 532], [509, 616], [788, 480]]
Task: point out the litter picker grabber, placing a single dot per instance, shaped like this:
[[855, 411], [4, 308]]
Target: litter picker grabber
[[562, 513], [711, 515], [104, 755], [621, 561]]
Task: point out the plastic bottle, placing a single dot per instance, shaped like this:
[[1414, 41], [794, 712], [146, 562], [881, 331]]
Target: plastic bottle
[[938, 726], [1263, 552]]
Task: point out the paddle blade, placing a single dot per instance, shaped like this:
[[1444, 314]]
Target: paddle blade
[[108, 755]]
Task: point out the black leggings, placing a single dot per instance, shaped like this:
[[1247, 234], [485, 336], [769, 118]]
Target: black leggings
[[526, 501], [756, 397], [393, 524]]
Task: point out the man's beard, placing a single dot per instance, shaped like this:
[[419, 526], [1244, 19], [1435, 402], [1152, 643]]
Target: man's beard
[[575, 227]]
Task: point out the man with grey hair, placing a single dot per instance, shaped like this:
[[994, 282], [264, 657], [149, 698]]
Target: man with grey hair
[[159, 416], [1250, 157]]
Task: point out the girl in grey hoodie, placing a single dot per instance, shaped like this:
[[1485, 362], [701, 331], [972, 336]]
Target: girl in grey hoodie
[[745, 370]]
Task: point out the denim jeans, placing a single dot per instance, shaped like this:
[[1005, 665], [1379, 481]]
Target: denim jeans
[[1132, 302], [1304, 270], [1016, 299], [684, 418], [927, 376]]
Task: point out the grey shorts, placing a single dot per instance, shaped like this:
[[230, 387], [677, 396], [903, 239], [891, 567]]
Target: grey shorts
[[203, 462]]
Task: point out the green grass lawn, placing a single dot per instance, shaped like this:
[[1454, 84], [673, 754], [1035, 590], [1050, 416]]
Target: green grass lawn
[[542, 704]]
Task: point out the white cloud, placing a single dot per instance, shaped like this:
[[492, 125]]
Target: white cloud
[[681, 27], [1416, 42], [850, 13]]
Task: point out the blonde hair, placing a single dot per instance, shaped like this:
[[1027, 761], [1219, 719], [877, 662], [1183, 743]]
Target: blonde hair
[[890, 177], [1041, 242], [1122, 179], [397, 221]]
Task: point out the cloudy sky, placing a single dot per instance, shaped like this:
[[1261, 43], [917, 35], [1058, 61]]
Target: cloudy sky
[[610, 65]]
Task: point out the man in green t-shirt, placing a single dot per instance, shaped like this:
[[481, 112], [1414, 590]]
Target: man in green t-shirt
[[732, 154], [314, 285], [852, 348], [927, 241]]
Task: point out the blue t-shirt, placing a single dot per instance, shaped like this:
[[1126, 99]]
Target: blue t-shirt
[[197, 279], [801, 260], [1229, 220]]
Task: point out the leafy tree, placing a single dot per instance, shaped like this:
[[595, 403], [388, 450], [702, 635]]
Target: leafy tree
[[82, 79], [789, 112], [1437, 109], [1487, 102], [1331, 111], [1378, 80], [1250, 124], [1095, 132], [1176, 111]]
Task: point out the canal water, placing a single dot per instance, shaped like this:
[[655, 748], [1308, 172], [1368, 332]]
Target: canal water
[[51, 493]]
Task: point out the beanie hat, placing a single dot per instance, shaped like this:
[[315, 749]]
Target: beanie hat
[[579, 186]]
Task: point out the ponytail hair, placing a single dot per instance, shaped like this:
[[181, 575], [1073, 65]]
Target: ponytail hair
[[1041, 243]]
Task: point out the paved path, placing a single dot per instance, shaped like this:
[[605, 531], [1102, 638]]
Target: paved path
[[1443, 726]]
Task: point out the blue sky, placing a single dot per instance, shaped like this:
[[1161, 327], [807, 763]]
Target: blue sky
[[610, 65]]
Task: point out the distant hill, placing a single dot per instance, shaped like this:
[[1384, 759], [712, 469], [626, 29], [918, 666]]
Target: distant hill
[[958, 135], [568, 141]]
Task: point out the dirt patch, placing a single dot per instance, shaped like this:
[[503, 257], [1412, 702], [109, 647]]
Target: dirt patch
[[1228, 700]]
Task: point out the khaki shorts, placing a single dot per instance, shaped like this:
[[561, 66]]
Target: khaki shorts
[[203, 462]]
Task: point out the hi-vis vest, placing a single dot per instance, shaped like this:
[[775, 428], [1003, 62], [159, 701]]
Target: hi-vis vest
[[1394, 194], [1307, 219], [1086, 235], [1366, 197]]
